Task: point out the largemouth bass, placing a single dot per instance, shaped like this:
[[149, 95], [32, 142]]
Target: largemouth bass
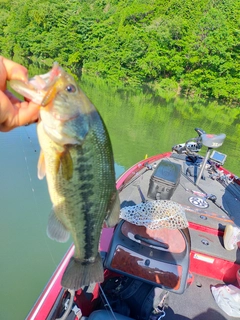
[[76, 157]]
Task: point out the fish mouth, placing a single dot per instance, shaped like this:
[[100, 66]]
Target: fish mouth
[[36, 88], [46, 91]]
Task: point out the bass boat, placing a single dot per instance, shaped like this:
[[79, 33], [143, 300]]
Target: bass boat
[[169, 256]]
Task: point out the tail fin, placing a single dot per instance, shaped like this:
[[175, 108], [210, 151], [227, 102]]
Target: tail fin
[[79, 274]]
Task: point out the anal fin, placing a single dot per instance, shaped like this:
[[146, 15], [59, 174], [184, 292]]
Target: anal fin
[[56, 230]]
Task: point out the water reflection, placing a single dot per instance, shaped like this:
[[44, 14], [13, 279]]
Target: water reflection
[[142, 123]]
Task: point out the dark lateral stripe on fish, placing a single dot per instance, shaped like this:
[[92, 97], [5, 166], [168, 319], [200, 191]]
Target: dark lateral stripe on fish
[[87, 206], [85, 186]]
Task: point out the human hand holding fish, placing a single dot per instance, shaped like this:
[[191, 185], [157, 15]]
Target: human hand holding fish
[[13, 112], [76, 158]]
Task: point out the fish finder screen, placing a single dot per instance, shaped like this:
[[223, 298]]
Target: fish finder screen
[[218, 157]]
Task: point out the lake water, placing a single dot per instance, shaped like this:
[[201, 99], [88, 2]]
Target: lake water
[[139, 124]]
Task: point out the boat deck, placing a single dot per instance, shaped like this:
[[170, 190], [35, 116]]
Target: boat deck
[[196, 303], [206, 226]]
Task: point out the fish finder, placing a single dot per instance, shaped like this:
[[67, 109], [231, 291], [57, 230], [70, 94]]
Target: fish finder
[[218, 157]]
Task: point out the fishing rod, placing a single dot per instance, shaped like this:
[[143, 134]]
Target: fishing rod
[[107, 303]]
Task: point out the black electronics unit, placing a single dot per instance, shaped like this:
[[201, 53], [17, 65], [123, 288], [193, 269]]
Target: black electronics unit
[[164, 180]]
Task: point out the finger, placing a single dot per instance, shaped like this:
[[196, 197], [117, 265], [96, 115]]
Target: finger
[[14, 100], [3, 75], [23, 117], [11, 70], [15, 113], [28, 113], [6, 111], [15, 70]]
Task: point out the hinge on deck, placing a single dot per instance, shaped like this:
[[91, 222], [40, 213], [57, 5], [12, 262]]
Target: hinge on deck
[[77, 312]]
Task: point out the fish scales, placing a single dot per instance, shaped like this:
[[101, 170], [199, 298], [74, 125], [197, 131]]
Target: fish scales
[[86, 197], [76, 156]]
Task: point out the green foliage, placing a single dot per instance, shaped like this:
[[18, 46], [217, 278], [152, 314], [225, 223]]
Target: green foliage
[[188, 47]]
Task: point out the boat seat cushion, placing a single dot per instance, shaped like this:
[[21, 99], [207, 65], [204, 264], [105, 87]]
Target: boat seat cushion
[[105, 315], [213, 140]]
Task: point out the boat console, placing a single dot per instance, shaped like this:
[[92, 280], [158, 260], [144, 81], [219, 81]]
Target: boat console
[[157, 256]]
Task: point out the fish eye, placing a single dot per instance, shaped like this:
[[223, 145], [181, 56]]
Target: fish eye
[[70, 88]]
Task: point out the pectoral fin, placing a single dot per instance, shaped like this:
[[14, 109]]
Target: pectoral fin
[[114, 211], [66, 165], [55, 229], [41, 166], [63, 162]]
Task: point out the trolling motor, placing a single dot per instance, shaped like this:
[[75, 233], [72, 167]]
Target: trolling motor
[[192, 146]]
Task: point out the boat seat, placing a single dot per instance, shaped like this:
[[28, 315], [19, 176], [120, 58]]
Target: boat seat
[[106, 315], [213, 140]]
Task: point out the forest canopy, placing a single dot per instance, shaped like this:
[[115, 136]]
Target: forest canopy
[[190, 47]]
